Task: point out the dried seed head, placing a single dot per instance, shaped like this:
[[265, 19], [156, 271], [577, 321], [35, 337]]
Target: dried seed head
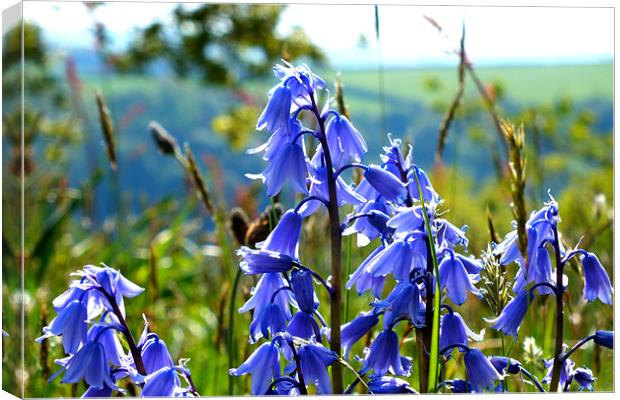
[[166, 143], [239, 224], [107, 128]]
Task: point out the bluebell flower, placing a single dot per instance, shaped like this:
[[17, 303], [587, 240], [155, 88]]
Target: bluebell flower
[[264, 261], [604, 338], [458, 386], [314, 360], [105, 334], [301, 283], [277, 111], [289, 164], [385, 183], [372, 225], [597, 284], [353, 331], [396, 258], [71, 323], [342, 135], [513, 313], [164, 382], [285, 236], [272, 320], [480, 372], [300, 80], [472, 265], [304, 325], [319, 188], [363, 278], [155, 354], [92, 299], [567, 372], [585, 379], [454, 331], [113, 283], [384, 356], [89, 363], [407, 219], [106, 391], [389, 385], [263, 365], [449, 236], [455, 279], [403, 302], [260, 300], [429, 194], [505, 365]]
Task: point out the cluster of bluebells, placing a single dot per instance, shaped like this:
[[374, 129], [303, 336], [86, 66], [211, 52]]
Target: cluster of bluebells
[[90, 318], [538, 276], [388, 210]]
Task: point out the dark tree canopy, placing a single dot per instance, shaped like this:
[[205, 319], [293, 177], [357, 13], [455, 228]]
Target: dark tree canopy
[[221, 43]]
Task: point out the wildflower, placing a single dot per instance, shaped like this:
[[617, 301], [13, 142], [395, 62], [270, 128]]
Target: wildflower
[[449, 236], [264, 261], [597, 284], [407, 219], [71, 324], [512, 315], [106, 391], [385, 183], [353, 331], [104, 334], [301, 283], [567, 372], [164, 382], [481, 373], [584, 377], [112, 282], [263, 365], [304, 325], [277, 111], [429, 194], [371, 224], [89, 363], [288, 164], [363, 279], [455, 331], [262, 296], [300, 80], [604, 338], [389, 385], [505, 365], [403, 302], [342, 135], [454, 278], [155, 354], [458, 386], [384, 356], [92, 300], [314, 360]]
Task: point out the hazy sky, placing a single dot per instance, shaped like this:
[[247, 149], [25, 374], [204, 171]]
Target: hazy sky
[[495, 35]]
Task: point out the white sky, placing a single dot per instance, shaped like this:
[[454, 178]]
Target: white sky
[[494, 35]]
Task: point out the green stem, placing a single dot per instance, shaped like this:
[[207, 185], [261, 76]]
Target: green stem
[[559, 314], [231, 325], [434, 353], [346, 298]]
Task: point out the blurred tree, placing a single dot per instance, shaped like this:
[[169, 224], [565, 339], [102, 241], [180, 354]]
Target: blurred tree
[[222, 43]]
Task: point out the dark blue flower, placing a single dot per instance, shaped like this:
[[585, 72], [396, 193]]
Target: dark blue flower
[[455, 279], [505, 365], [597, 284], [106, 391], [372, 225], [363, 278], [353, 331], [403, 302], [450, 236], [314, 360], [342, 135], [264, 261], [260, 300], [458, 386], [89, 363], [304, 325], [71, 324], [164, 382], [455, 331], [512, 315], [567, 372], [585, 379], [285, 236], [105, 334], [429, 194], [407, 219], [155, 354], [263, 365], [385, 183], [272, 320], [384, 356], [481, 373], [277, 111], [389, 385], [604, 338], [301, 283]]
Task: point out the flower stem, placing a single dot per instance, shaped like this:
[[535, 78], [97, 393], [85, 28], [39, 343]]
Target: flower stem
[[336, 247], [135, 352], [231, 324], [575, 347], [559, 313]]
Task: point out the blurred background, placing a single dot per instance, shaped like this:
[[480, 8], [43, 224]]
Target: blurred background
[[202, 71]]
